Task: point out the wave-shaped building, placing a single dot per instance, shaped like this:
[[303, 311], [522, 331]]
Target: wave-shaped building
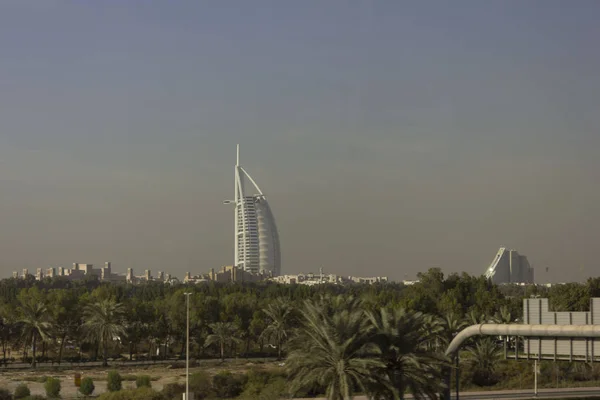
[[509, 267], [256, 238]]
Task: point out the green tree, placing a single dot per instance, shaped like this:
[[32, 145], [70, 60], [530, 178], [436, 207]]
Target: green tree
[[425, 295], [403, 338], [332, 351], [8, 327], [449, 326], [475, 318], [176, 313], [36, 325], [65, 315], [104, 322], [223, 334], [161, 327], [138, 321], [279, 314], [570, 296], [503, 316], [482, 360], [238, 306], [257, 327]]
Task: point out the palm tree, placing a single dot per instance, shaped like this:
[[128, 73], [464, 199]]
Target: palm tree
[[482, 360], [475, 318], [8, 328], [104, 321], [333, 351], [224, 333], [450, 325], [34, 320], [503, 317], [332, 304], [433, 326], [278, 313], [404, 339]]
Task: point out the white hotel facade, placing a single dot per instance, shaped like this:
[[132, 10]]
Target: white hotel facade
[[256, 240]]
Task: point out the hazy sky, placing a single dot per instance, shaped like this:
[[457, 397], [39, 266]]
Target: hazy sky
[[390, 136]]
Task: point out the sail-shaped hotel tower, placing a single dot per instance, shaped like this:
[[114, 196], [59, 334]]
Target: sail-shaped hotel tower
[[256, 240]]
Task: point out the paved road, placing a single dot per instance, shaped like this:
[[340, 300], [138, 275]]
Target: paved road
[[517, 394], [88, 364], [94, 364], [528, 394]]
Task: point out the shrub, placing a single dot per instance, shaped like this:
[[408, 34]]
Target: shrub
[[22, 391], [257, 380], [52, 387], [275, 390], [133, 394], [87, 386], [263, 384], [143, 381], [114, 382], [5, 394], [173, 390], [35, 397], [226, 385], [200, 385]]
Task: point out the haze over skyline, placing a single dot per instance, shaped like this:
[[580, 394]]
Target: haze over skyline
[[389, 136]]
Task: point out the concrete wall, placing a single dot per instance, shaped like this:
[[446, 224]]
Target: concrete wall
[[537, 311]]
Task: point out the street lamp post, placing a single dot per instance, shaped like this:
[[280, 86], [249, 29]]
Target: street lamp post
[[535, 374], [187, 347]]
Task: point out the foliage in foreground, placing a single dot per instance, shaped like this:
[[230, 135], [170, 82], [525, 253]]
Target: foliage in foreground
[[52, 387], [22, 391], [114, 381], [5, 394], [87, 386], [143, 381], [133, 394], [333, 351]]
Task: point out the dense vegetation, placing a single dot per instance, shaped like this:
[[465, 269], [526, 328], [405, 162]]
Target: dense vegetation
[[383, 339]]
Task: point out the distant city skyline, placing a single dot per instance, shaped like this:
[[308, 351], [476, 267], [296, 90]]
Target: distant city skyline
[[392, 136]]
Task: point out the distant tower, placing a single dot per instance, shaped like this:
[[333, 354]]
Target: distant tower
[[509, 266], [106, 272], [256, 240], [321, 273], [130, 277]]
